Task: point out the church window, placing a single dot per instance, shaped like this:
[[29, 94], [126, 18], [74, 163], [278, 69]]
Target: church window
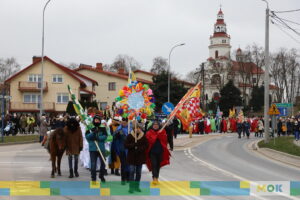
[[216, 54], [216, 79], [224, 41]]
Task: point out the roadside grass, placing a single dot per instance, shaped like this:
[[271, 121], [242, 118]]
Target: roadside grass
[[19, 138], [284, 144]]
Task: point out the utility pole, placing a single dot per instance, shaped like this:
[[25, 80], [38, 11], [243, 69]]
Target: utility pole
[[203, 86], [169, 66], [266, 77], [42, 68]]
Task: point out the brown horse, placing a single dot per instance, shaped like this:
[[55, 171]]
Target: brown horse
[[57, 147]]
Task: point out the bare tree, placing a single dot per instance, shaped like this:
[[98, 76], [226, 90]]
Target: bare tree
[[8, 67], [106, 67], [71, 65], [193, 76], [159, 64], [285, 70], [125, 62], [276, 73], [256, 55]]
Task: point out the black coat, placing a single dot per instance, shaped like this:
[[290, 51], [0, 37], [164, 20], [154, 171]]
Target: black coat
[[136, 150]]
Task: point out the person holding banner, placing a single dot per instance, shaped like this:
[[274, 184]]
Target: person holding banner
[[136, 143], [157, 154], [96, 137]]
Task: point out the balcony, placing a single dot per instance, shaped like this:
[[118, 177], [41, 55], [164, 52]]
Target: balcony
[[25, 86], [31, 107]]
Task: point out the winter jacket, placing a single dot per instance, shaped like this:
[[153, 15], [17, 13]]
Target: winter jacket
[[119, 138], [99, 135], [74, 141], [136, 150]]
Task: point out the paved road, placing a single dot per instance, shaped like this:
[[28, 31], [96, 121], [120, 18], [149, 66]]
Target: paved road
[[220, 159]]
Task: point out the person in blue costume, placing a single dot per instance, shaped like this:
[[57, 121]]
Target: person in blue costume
[[119, 138]]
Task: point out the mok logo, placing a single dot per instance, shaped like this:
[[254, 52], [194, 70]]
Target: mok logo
[[266, 188]]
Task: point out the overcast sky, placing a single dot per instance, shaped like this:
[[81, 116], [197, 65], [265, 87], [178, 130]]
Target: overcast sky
[[90, 31]]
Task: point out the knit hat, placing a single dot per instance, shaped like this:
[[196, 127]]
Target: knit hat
[[97, 117]]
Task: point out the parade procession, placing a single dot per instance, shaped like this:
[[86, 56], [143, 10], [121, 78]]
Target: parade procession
[[149, 100]]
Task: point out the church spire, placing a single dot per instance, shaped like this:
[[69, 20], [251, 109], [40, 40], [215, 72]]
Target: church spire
[[220, 41]]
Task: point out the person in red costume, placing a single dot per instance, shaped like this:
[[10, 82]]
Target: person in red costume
[[207, 127], [157, 154], [223, 125], [233, 126]]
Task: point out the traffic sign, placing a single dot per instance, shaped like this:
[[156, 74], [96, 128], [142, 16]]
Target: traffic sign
[[274, 110], [167, 108], [283, 111], [283, 105]]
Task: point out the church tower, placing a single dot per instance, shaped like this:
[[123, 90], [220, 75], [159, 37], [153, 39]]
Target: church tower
[[220, 41]]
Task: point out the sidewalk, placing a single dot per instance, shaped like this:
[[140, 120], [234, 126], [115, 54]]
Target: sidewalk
[[183, 141], [276, 155]]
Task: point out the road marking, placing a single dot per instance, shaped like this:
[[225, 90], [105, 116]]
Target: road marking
[[215, 168]]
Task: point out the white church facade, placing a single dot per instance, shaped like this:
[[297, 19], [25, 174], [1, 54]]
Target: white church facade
[[220, 67]]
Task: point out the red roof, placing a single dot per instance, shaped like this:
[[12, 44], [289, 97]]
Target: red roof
[[245, 85], [247, 67], [153, 74], [220, 34], [220, 12], [122, 76], [220, 21], [273, 87], [219, 58], [145, 72], [70, 72]]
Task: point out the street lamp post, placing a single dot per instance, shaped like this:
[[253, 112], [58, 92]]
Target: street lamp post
[[266, 77], [42, 69], [169, 75]]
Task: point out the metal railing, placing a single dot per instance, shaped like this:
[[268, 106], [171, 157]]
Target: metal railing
[[32, 86], [21, 106]]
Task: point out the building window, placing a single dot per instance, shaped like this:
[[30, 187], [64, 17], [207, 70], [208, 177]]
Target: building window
[[224, 41], [57, 78], [216, 79], [103, 105], [112, 86], [62, 97], [211, 42], [216, 54], [34, 78], [31, 98], [254, 80]]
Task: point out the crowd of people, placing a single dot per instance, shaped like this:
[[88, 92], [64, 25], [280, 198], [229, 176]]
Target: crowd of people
[[124, 147], [116, 144], [245, 126]]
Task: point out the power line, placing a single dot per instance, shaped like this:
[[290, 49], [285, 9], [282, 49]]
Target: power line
[[296, 10], [280, 28], [290, 21], [279, 20]]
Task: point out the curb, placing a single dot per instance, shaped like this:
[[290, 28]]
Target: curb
[[13, 143], [260, 151]]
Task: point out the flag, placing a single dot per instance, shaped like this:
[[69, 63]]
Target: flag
[[241, 116], [190, 109], [232, 113], [131, 77], [183, 100]]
